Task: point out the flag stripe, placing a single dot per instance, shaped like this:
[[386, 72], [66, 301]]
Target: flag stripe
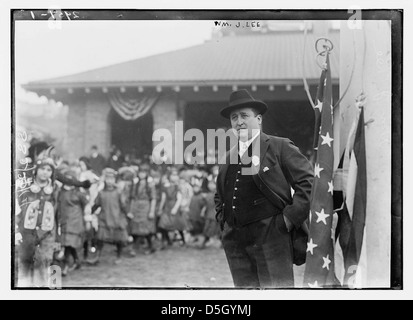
[[352, 218], [353, 252]]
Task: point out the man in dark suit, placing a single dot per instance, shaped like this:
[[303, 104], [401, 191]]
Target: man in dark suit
[[97, 161], [254, 202]]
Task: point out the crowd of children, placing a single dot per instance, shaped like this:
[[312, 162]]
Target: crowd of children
[[139, 206]]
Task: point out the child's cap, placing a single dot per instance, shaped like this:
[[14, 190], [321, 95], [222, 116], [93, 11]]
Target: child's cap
[[145, 167], [46, 160], [127, 173], [109, 172]]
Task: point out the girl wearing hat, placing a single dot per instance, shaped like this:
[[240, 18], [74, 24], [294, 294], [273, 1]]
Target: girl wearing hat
[[112, 217], [91, 221], [196, 210], [42, 150], [187, 193], [142, 204], [171, 217], [71, 204], [211, 228], [157, 177], [37, 225]]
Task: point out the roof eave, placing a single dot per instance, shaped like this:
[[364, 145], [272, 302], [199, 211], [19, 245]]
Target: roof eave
[[80, 85]]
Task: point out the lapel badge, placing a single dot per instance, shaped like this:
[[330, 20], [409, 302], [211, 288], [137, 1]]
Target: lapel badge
[[266, 169]]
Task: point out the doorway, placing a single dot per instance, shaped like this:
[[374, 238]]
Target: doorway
[[133, 138]]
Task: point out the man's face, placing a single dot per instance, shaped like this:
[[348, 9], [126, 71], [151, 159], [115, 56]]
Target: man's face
[[245, 122], [93, 152]]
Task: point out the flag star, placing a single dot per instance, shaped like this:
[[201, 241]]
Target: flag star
[[327, 139], [310, 246], [317, 170], [322, 216], [331, 187], [327, 262], [314, 285], [319, 105]]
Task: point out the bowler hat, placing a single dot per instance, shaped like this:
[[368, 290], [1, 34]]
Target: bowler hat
[[242, 99]]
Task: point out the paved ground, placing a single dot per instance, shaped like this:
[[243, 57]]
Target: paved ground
[[175, 267], [179, 267]]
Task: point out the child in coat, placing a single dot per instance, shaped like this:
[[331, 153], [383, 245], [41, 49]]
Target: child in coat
[[91, 222], [211, 228], [71, 206], [112, 217], [196, 211], [171, 216], [142, 204]]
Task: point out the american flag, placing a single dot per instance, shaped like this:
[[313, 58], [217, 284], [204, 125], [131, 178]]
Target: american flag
[[319, 270], [351, 261]]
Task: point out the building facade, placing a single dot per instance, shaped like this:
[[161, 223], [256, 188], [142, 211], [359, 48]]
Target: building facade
[[124, 104]]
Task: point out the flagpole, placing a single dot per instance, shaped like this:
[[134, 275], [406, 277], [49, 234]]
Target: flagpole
[[320, 92]]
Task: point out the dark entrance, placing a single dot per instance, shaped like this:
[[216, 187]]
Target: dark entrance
[[290, 119], [132, 137], [204, 116], [293, 120]]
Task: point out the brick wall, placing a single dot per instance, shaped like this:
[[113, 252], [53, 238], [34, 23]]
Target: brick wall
[[97, 124], [74, 143], [88, 125], [164, 117]]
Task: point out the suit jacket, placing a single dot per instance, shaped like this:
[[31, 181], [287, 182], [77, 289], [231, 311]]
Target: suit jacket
[[277, 166]]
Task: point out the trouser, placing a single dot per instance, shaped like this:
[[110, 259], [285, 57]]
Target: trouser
[[260, 254]]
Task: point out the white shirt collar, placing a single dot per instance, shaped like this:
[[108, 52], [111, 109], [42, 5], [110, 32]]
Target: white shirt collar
[[243, 146]]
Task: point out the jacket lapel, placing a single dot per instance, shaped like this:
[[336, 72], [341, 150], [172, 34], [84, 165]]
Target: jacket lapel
[[260, 148], [231, 154]]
